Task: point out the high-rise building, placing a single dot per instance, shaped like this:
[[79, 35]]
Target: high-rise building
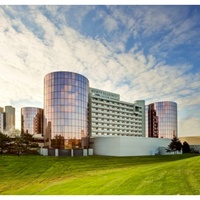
[[73, 112], [1, 109], [2, 122], [32, 120], [66, 110], [161, 118], [111, 117], [10, 117]]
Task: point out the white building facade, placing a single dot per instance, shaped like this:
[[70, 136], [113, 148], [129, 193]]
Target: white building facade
[[129, 146], [108, 116]]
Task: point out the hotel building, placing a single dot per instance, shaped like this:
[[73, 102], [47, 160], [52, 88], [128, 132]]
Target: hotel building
[[78, 117], [108, 116]]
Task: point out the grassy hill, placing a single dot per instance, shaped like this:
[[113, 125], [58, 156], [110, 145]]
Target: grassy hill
[[177, 174]]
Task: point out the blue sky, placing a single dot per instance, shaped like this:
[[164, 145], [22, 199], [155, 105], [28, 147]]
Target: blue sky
[[139, 52]]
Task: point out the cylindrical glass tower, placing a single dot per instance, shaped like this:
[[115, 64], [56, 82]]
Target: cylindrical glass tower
[[32, 120], [66, 110], [162, 119]]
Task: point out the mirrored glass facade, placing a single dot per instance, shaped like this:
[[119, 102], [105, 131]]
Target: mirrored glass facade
[[162, 119], [32, 120], [66, 110], [10, 117]]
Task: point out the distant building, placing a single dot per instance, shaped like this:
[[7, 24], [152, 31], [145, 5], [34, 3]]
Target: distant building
[[2, 122], [10, 118], [108, 116], [161, 118], [193, 141], [32, 120]]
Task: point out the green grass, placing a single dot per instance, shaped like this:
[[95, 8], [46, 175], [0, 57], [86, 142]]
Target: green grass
[[145, 175]]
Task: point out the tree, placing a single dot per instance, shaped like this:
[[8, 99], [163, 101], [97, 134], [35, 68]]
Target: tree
[[58, 142], [4, 139], [175, 145], [18, 145], [186, 147], [26, 140]]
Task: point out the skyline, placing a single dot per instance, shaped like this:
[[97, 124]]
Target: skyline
[[140, 52]]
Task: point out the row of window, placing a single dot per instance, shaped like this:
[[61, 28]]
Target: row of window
[[67, 122], [66, 115], [122, 117], [66, 103], [68, 130], [66, 111], [116, 124], [113, 106], [173, 124], [113, 129], [163, 105], [97, 108], [66, 89], [115, 121], [66, 75], [63, 81], [133, 133], [96, 111], [103, 101]]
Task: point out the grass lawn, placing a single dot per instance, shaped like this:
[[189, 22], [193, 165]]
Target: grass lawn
[[95, 175]]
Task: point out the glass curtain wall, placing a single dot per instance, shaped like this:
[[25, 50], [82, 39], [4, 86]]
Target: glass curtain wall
[[162, 119], [66, 110], [31, 120]]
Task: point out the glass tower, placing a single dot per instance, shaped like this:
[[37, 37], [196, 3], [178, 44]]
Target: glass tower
[[66, 110], [31, 120], [10, 118], [162, 119]]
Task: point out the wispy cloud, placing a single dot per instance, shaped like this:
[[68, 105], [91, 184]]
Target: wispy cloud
[[47, 40]]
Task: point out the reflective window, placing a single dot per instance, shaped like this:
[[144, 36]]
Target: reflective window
[[65, 110], [162, 119], [32, 120]]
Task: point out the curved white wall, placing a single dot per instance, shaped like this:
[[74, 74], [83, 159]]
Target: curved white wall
[[127, 146]]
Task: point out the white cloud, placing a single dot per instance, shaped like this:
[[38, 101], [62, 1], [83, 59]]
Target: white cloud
[[110, 24], [189, 127], [26, 59]]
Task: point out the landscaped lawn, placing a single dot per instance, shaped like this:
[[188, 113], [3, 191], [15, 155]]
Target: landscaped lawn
[[174, 174]]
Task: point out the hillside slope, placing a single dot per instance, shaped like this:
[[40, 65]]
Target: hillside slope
[[177, 174]]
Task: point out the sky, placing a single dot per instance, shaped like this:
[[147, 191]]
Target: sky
[[141, 52]]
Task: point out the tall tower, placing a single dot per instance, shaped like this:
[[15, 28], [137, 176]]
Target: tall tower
[[10, 117], [32, 120], [162, 119], [2, 121], [66, 110]]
